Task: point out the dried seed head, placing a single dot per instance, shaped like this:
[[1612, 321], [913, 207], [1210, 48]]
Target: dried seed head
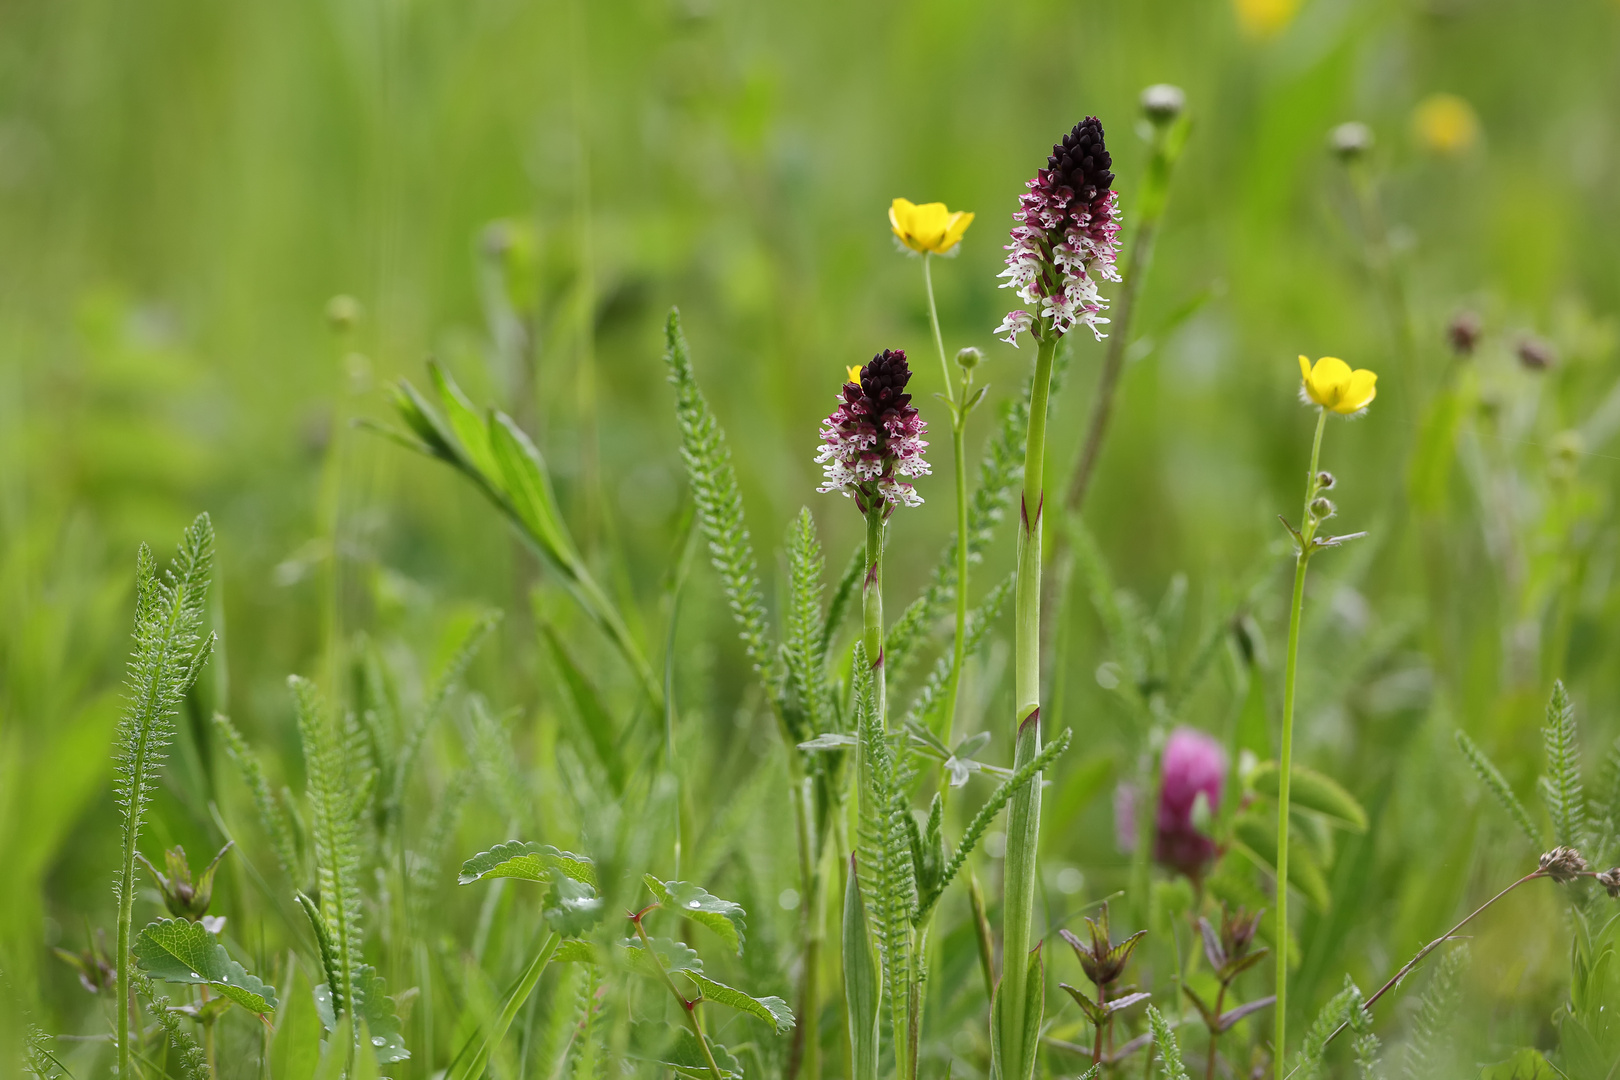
[[1563, 864], [1350, 141], [1535, 354], [1463, 332], [1162, 102], [1610, 880]]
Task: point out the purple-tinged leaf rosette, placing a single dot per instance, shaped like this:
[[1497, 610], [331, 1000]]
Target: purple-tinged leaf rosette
[[1065, 241], [872, 444]]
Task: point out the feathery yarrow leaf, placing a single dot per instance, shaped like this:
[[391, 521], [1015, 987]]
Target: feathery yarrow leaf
[[339, 779], [719, 503], [1497, 784], [272, 818], [169, 651], [1561, 786], [806, 706], [931, 696], [193, 1059], [1169, 1049], [1428, 1048], [992, 806]]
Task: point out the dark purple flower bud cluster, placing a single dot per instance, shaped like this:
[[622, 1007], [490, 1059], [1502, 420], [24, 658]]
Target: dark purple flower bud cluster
[[873, 441], [1193, 765], [1066, 239]]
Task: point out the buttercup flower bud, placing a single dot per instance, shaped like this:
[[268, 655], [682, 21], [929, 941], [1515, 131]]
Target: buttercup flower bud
[[968, 359], [1324, 480], [1563, 864], [1536, 354], [1322, 509], [1463, 332], [1065, 240], [874, 438], [343, 312], [1349, 141], [1163, 102]]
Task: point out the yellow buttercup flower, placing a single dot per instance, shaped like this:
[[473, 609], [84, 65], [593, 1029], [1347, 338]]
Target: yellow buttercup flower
[[1265, 18], [1445, 123], [929, 229], [1332, 385], [854, 373]]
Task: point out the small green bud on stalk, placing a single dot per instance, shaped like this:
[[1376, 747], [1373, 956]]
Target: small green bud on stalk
[[1351, 141], [1163, 102]]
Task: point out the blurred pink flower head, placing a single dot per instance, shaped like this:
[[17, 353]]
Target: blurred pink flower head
[[1193, 764]]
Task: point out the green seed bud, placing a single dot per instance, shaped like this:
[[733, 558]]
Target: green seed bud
[[968, 359]]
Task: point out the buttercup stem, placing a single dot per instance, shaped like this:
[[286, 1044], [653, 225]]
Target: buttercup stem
[[1024, 814], [1285, 763], [959, 461]]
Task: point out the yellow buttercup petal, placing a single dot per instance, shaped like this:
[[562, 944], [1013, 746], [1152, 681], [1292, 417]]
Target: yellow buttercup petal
[[1359, 392], [854, 373], [927, 229], [1331, 384]]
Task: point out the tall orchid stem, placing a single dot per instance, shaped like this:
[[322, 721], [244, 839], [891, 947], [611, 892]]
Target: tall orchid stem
[[958, 409], [1286, 758], [872, 608], [1016, 1056]]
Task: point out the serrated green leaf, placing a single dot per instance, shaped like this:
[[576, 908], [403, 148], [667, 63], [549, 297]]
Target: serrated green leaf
[[528, 861], [575, 951], [772, 1010], [1526, 1064], [572, 907], [1258, 838], [672, 956], [178, 951], [677, 1048], [694, 902], [376, 1013], [1314, 791]]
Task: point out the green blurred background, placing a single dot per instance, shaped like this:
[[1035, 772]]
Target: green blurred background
[[523, 189]]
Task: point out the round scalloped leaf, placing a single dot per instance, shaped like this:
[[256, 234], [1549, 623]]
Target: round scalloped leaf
[[672, 955], [694, 902], [527, 861], [572, 907], [178, 951]]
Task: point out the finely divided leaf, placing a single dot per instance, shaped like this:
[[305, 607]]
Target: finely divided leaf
[[723, 917], [1493, 779], [719, 502], [1561, 787], [1169, 1049], [176, 950]]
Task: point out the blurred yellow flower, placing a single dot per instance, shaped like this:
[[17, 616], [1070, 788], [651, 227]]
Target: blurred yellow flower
[[1445, 123], [854, 373], [1332, 385], [929, 228], [1265, 18]]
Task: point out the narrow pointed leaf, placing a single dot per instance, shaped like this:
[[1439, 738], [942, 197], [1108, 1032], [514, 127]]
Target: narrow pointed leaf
[[1230, 1018], [1311, 790]]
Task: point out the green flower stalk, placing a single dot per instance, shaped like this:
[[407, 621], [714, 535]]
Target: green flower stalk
[[1330, 386], [1063, 245], [871, 446], [929, 230]]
